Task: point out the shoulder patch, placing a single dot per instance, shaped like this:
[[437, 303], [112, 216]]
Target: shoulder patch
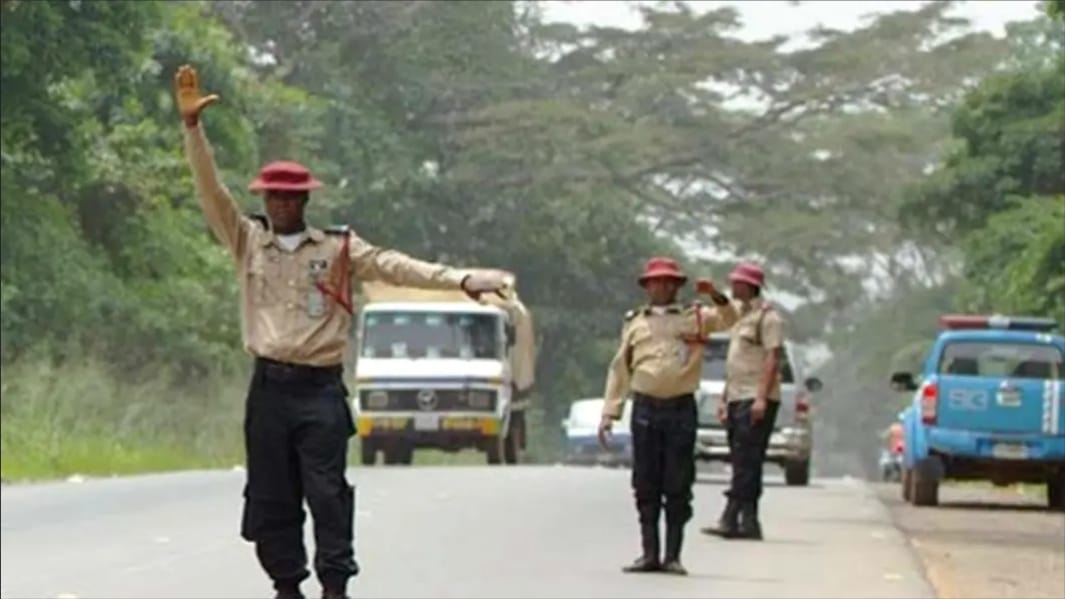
[[259, 218], [337, 230]]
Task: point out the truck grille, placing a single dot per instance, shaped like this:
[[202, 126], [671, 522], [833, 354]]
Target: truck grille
[[407, 400]]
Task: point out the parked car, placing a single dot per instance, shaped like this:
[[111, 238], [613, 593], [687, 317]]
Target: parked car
[[581, 443], [791, 443], [987, 405]]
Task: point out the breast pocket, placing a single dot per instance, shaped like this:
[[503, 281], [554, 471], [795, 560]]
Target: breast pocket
[[747, 333], [261, 273]]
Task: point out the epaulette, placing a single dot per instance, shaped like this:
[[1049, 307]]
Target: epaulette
[[337, 230], [259, 218]]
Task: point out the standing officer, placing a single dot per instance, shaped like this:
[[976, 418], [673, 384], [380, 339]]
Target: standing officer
[[660, 359], [295, 284], [751, 400]]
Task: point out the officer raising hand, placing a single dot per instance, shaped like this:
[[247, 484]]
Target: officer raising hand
[[660, 361], [295, 287]]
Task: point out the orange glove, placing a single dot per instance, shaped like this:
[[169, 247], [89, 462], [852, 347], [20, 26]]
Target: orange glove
[[187, 92]]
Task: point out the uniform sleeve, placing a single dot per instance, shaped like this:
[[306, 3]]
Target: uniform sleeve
[[718, 318], [371, 263], [219, 209], [617, 379], [773, 330]]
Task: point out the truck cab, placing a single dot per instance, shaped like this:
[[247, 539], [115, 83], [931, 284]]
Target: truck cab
[[987, 405], [438, 370]]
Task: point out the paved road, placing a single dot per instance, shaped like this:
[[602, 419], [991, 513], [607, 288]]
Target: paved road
[[982, 542], [445, 532]]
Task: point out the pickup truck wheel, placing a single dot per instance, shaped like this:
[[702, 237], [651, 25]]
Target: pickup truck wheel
[[797, 474], [1056, 492], [925, 486], [907, 484], [367, 452]]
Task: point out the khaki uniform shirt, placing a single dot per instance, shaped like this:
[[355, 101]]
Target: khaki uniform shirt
[[746, 357], [284, 315], [654, 359]]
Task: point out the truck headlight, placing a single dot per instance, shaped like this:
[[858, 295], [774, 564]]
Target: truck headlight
[[377, 400], [481, 400]]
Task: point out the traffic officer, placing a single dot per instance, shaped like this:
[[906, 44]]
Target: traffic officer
[[660, 361], [751, 399], [295, 284]]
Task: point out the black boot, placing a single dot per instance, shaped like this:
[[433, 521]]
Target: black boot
[[674, 541], [750, 528], [728, 525], [649, 561]]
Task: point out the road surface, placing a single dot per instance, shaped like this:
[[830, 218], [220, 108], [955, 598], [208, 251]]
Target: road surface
[[537, 531], [982, 542]]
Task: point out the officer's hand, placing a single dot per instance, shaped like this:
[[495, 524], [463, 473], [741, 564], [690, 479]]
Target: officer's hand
[[605, 425], [705, 287], [187, 92], [758, 410], [484, 281], [722, 413]]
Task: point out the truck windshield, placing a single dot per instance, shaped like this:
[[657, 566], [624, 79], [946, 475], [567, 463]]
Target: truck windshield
[[1001, 359], [716, 353], [430, 335]]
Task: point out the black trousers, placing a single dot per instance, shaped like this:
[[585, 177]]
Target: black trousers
[[296, 429], [748, 443], [663, 467]]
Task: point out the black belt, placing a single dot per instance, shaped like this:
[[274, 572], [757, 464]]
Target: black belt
[[678, 402], [292, 373]]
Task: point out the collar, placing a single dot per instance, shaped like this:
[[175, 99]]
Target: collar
[[673, 308], [315, 235], [752, 305]]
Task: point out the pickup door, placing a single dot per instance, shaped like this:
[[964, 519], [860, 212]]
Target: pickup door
[[1000, 386]]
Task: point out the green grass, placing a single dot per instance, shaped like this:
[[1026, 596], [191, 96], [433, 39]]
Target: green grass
[[80, 419], [57, 421]]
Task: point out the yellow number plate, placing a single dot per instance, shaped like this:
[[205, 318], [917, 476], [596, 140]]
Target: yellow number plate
[[460, 424]]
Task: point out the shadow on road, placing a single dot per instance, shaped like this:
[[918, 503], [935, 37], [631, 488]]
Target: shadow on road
[[993, 507]]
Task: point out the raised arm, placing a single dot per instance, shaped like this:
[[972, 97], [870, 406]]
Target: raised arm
[[219, 209]]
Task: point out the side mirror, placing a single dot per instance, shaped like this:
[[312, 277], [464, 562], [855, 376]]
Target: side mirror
[[903, 381], [565, 424], [813, 384]]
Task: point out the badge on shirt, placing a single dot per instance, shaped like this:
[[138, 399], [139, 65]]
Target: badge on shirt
[[315, 300]]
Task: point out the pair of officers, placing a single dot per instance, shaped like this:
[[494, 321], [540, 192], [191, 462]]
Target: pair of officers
[[658, 364]]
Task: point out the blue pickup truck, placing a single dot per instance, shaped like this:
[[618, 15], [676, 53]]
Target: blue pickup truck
[[988, 405]]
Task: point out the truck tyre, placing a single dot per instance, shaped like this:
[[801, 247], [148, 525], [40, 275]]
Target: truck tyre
[[493, 450], [1056, 492], [925, 484], [797, 474], [367, 451], [907, 484]]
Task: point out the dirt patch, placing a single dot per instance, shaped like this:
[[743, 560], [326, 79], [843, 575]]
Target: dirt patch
[[983, 542]]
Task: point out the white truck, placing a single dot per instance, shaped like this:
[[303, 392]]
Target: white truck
[[435, 369]]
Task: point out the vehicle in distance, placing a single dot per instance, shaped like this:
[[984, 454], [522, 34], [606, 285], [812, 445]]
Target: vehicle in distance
[[791, 443]]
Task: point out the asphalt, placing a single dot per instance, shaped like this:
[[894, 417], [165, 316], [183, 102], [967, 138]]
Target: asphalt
[[547, 531]]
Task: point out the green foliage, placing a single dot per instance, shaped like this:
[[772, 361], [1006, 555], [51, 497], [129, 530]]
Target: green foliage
[[474, 133]]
